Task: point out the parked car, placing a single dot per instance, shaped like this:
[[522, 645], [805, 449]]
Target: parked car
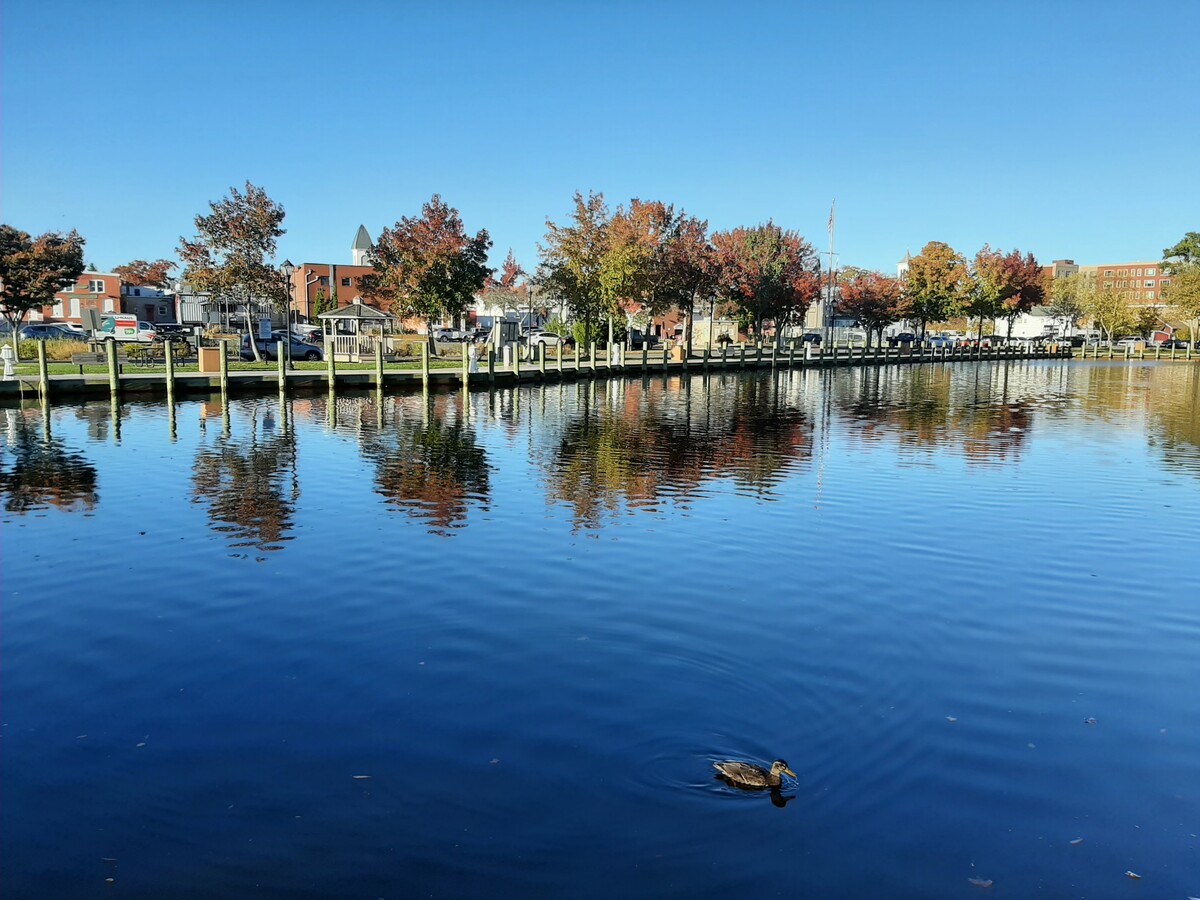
[[50, 332], [172, 332], [810, 338], [448, 335], [545, 338], [1173, 344], [298, 348], [637, 340], [1129, 341], [310, 334], [941, 342], [905, 338]]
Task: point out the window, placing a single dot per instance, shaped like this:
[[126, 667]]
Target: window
[[1108, 284], [109, 305], [1149, 282], [75, 313], [137, 292], [345, 282], [1149, 295], [1152, 271], [1108, 272], [162, 311], [96, 286], [1164, 282], [1138, 272], [324, 281]]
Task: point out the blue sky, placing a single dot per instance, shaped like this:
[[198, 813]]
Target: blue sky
[[1065, 129]]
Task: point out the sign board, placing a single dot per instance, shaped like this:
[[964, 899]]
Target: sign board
[[91, 319], [264, 329]]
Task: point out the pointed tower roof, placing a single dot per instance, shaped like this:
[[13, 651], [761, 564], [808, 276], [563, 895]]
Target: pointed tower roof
[[362, 240]]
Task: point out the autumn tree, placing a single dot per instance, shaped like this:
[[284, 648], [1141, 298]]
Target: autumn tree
[[228, 257], [1109, 309], [572, 257], [1002, 285], [1067, 296], [872, 299], [139, 272], [33, 270], [935, 282], [427, 267], [1183, 294], [766, 272]]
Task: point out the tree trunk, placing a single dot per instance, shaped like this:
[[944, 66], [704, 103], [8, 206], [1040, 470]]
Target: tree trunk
[[687, 325]]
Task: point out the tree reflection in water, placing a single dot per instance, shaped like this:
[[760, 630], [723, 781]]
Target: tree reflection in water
[[430, 465], [37, 470], [985, 412], [637, 443], [248, 484]]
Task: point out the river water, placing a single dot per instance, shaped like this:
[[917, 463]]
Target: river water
[[491, 644]]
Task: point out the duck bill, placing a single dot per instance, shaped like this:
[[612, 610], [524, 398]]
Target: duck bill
[[790, 772]]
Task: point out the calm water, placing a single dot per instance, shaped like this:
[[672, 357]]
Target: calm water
[[534, 619]]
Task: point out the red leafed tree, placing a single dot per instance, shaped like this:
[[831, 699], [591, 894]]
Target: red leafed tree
[[141, 273], [428, 266], [1003, 285], [766, 272], [873, 300], [510, 273]]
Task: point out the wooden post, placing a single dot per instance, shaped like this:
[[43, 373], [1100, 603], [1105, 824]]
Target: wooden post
[[725, 355], [281, 363], [43, 370], [169, 359], [331, 367], [516, 348], [491, 364], [592, 355], [114, 381], [424, 365], [644, 362], [744, 355], [541, 354], [774, 347], [558, 355], [224, 369], [466, 366], [704, 353], [666, 358]]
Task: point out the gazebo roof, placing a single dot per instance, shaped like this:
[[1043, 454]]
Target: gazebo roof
[[357, 310]]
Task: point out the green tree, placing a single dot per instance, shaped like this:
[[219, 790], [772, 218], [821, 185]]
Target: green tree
[[1002, 285], [1066, 299], [428, 267], [1183, 294], [935, 282], [572, 258], [1183, 254], [1109, 309], [33, 270], [228, 257]]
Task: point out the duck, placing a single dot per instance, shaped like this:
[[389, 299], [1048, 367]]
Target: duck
[[748, 775]]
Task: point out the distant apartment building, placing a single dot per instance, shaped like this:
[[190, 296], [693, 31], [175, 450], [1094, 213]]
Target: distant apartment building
[[100, 291], [1141, 282]]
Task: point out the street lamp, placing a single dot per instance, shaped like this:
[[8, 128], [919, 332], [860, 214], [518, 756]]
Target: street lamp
[[287, 270]]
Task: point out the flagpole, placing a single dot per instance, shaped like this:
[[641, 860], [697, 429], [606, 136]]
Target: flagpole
[[829, 292]]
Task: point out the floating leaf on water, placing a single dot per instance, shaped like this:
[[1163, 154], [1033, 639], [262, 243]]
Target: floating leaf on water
[[1133, 875], [142, 744], [1089, 721], [80, 737], [981, 882], [1075, 842], [493, 761], [951, 719], [109, 880], [108, 859], [360, 777]]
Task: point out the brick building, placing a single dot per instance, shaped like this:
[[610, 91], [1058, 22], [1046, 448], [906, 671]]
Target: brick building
[[331, 280], [100, 291]]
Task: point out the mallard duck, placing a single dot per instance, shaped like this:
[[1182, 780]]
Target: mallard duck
[[744, 774]]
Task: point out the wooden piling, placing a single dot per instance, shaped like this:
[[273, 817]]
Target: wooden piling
[[114, 380]]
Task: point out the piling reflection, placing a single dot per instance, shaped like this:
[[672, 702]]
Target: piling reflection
[[37, 470], [245, 477]]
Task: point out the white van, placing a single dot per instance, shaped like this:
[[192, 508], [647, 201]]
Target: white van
[[124, 328]]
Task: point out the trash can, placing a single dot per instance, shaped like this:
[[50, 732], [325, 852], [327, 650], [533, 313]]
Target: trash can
[[210, 358]]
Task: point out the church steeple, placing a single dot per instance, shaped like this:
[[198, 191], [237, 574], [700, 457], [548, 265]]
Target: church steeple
[[362, 243]]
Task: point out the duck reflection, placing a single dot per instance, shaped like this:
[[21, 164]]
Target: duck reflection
[[37, 470], [248, 482]]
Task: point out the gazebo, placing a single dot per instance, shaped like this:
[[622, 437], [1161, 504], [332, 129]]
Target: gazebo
[[351, 332]]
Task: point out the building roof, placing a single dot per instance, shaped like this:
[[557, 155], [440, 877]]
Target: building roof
[[362, 240], [357, 310]]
